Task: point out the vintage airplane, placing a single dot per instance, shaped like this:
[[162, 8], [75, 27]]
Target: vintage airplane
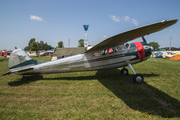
[[111, 53]]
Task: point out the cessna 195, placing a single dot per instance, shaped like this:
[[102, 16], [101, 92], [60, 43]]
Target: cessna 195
[[110, 53]]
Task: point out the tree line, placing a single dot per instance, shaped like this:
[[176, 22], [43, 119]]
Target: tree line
[[156, 46], [172, 48], [35, 46], [61, 45]]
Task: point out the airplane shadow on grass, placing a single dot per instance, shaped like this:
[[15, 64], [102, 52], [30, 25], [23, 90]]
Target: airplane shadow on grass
[[142, 97], [35, 78]]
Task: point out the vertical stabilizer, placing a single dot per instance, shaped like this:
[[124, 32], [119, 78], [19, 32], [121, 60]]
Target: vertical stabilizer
[[17, 58]]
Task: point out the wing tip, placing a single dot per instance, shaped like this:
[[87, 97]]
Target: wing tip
[[171, 21], [176, 20]]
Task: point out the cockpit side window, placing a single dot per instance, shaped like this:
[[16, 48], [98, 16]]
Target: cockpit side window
[[124, 48], [121, 47], [127, 45]]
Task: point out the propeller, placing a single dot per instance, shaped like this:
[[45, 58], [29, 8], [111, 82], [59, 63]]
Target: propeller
[[154, 58], [144, 40]]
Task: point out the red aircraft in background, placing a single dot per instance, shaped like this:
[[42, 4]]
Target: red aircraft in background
[[5, 54]]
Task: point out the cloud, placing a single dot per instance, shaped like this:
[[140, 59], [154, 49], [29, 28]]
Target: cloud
[[125, 18], [135, 22], [114, 18], [36, 18]]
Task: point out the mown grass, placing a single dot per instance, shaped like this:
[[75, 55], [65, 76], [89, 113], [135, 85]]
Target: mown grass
[[102, 94]]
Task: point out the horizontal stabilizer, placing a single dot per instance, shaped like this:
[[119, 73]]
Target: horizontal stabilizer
[[6, 73], [19, 71]]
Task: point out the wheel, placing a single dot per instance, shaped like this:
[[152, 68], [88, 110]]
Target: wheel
[[124, 71], [25, 78], [138, 78]]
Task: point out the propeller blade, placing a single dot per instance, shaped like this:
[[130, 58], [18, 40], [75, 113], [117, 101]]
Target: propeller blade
[[144, 40], [154, 59]]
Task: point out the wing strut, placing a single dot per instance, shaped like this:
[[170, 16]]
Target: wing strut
[[131, 68]]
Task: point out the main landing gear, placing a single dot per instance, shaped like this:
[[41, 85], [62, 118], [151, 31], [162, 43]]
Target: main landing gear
[[138, 78]]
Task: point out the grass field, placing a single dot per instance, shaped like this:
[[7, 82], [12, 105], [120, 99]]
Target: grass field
[[94, 94]]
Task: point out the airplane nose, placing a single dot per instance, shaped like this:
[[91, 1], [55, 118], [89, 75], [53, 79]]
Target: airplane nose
[[140, 50]]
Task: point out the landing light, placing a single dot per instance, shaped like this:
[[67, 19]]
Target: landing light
[[164, 21]]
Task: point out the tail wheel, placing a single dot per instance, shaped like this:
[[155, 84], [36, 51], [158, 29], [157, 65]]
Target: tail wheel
[[138, 78], [124, 71]]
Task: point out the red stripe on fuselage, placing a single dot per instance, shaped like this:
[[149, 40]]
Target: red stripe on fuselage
[[140, 50]]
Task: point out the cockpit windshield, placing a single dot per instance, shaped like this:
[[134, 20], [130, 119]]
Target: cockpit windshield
[[127, 45], [124, 48]]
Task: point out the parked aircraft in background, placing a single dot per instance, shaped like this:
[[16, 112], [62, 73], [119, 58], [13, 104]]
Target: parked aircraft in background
[[5, 54], [168, 55], [111, 53]]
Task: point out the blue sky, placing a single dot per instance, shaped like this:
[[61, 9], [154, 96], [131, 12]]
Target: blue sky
[[59, 20]]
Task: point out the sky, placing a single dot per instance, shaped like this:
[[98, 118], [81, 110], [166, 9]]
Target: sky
[[60, 20]]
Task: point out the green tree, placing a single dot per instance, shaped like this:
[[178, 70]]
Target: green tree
[[50, 47], [175, 49], [15, 47], [81, 43], [41, 45], [34, 46], [45, 46], [38, 46], [32, 40], [27, 48], [60, 44], [155, 45]]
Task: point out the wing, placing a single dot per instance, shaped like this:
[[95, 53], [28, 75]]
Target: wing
[[122, 38]]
